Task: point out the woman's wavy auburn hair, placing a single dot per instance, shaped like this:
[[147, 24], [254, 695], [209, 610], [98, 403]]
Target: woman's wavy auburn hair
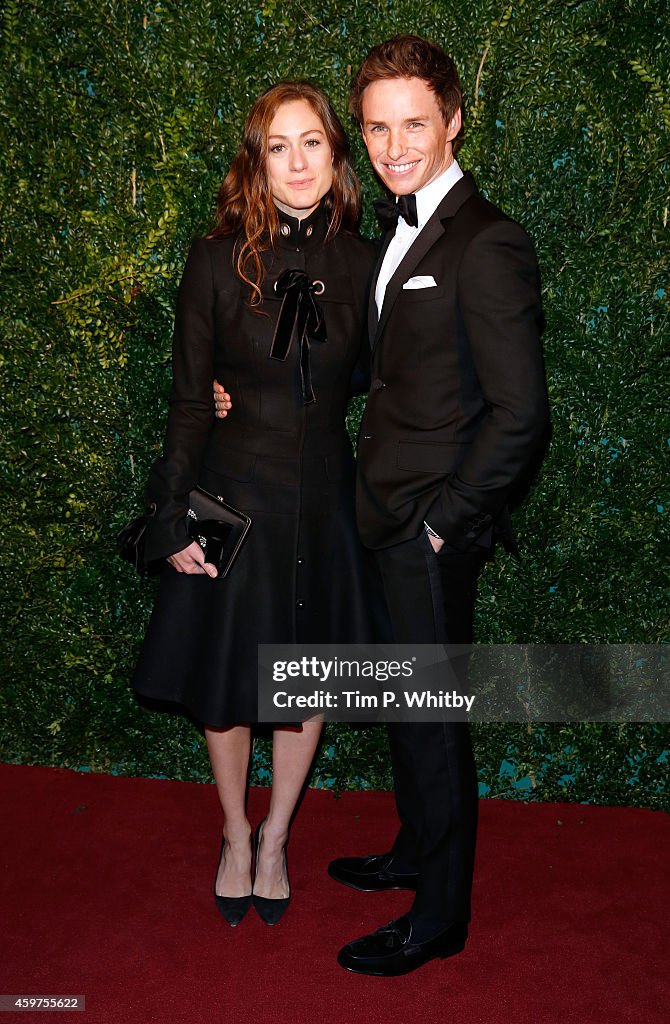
[[244, 203]]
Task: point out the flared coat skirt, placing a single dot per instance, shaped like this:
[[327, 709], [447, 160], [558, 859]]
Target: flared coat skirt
[[301, 577]]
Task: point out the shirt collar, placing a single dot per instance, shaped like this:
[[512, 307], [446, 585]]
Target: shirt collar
[[430, 196]]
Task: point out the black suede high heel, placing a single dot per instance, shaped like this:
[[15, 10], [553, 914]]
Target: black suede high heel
[[269, 910], [231, 908]]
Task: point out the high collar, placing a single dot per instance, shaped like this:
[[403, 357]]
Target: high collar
[[305, 233]]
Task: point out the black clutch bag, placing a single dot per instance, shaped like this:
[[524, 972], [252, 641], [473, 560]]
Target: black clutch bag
[[219, 529]]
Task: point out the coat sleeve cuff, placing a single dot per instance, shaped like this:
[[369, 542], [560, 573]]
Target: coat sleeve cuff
[[165, 536]]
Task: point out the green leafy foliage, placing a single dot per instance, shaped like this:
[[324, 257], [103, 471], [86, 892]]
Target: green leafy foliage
[[117, 123]]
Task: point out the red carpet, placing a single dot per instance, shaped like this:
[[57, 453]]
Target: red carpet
[[106, 887]]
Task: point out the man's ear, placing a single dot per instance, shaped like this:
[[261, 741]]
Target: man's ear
[[454, 126]]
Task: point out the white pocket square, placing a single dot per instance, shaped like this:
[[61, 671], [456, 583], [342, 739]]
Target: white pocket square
[[420, 282]]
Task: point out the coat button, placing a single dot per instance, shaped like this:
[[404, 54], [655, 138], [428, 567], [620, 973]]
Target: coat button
[[285, 230], [309, 231], [300, 561], [377, 385], [300, 604]]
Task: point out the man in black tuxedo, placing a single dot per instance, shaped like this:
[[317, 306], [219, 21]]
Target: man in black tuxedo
[[456, 415]]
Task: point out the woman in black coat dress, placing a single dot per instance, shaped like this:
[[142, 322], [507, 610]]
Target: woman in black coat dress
[[286, 220]]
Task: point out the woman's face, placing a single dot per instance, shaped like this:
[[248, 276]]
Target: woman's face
[[300, 160]]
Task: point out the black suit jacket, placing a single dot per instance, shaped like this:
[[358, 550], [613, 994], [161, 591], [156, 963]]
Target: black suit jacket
[[458, 406]]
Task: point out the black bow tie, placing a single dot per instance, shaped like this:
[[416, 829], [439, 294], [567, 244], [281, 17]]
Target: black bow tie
[[388, 211]]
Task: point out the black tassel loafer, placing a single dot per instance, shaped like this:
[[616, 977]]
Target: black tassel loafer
[[391, 951], [371, 874]]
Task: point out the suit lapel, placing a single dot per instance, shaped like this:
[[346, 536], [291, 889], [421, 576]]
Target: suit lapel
[[423, 243], [373, 317]]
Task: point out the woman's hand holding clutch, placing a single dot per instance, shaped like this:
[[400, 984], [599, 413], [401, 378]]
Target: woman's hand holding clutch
[[191, 560]]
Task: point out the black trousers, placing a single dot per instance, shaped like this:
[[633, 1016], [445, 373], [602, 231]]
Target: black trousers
[[430, 599]]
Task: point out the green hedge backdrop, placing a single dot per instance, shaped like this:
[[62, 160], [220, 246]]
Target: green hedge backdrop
[[118, 121]]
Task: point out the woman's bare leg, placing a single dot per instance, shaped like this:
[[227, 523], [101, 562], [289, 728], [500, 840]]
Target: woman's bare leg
[[292, 756], [229, 751]]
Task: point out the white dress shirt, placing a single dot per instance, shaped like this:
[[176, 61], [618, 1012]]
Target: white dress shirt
[[428, 199]]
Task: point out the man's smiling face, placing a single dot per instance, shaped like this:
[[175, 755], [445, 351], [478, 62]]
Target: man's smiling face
[[407, 138]]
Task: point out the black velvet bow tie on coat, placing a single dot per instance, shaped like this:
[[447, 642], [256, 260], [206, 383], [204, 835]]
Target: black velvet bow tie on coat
[[301, 320], [388, 211]]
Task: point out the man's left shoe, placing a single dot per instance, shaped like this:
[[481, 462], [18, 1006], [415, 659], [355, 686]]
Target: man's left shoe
[[391, 950], [372, 874]]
